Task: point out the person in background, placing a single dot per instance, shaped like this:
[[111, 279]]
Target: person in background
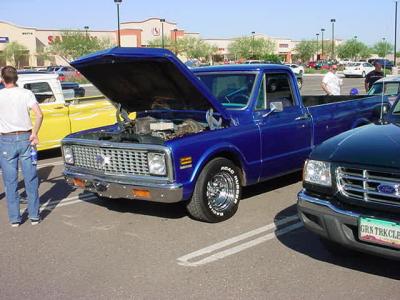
[[331, 82], [373, 76], [17, 137]]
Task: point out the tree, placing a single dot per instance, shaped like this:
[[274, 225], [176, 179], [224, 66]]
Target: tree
[[187, 46], [251, 48], [74, 44], [382, 48], [15, 53], [306, 50], [353, 49]]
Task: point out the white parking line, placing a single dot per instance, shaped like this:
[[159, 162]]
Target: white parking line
[[50, 205], [186, 259]]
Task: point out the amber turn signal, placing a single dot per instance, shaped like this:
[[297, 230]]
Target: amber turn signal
[[143, 194], [79, 182]]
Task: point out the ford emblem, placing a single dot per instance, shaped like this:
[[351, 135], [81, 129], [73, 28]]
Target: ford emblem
[[387, 189]]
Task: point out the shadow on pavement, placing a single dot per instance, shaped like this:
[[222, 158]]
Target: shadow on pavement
[[58, 191], [142, 207], [308, 243], [270, 185]]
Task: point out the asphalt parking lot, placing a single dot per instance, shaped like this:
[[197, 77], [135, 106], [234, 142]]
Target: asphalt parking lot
[[89, 247]]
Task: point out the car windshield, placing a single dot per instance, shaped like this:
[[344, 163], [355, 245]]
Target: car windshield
[[391, 88], [231, 90]]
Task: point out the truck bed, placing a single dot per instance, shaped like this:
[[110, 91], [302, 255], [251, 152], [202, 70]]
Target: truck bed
[[323, 99]]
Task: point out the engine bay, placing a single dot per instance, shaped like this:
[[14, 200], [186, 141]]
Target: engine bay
[[149, 130]]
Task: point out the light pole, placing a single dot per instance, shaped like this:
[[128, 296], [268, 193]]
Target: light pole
[[252, 44], [322, 42], [333, 38], [317, 34], [175, 31], [395, 33], [384, 61], [118, 2], [86, 30], [162, 32]]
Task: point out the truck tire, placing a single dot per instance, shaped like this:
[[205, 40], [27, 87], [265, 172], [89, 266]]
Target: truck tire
[[217, 192]]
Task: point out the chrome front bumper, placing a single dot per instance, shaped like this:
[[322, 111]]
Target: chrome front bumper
[[113, 188]]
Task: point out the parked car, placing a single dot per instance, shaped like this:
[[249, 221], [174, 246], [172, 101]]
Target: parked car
[[357, 69], [351, 195], [322, 65], [385, 63], [63, 71], [77, 90], [297, 69], [390, 86], [63, 116], [200, 135], [311, 64]]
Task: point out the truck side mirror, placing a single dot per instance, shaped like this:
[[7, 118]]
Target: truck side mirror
[[276, 106]]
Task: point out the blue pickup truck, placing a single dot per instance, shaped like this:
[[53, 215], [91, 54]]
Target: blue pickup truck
[[200, 135]]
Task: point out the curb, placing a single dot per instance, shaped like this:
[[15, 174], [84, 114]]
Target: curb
[[86, 85]]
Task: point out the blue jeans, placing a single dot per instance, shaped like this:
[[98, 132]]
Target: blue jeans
[[14, 148]]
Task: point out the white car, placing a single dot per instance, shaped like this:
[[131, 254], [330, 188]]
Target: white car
[[296, 68], [358, 69]]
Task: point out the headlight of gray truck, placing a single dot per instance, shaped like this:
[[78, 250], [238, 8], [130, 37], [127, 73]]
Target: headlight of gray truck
[[317, 172], [157, 165]]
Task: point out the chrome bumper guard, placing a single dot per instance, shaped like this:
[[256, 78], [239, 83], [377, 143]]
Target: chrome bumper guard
[[106, 187]]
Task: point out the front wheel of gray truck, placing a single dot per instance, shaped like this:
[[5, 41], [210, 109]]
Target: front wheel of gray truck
[[217, 192]]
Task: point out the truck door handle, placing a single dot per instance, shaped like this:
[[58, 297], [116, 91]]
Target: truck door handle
[[306, 116], [59, 107]]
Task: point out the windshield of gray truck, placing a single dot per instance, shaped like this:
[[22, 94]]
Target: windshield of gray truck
[[231, 90]]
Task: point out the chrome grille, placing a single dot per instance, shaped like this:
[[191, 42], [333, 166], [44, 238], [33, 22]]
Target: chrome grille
[[369, 186], [111, 161]]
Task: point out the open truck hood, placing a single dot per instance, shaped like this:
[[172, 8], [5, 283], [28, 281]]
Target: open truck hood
[[143, 79]]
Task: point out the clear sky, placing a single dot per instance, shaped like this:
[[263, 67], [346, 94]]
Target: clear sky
[[370, 20]]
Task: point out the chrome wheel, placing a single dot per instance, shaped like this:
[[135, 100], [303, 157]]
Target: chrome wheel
[[221, 191]]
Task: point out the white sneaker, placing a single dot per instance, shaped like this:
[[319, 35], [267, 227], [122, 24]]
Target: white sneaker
[[14, 224], [35, 222]]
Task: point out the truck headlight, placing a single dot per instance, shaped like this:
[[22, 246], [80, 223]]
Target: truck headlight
[[317, 172], [157, 165], [68, 155]]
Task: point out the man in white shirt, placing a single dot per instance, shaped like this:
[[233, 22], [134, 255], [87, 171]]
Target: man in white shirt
[[331, 82], [17, 137]]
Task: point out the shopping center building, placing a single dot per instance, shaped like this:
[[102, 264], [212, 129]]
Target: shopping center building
[[133, 34]]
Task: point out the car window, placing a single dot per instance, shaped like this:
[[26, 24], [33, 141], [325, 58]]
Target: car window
[[275, 88], [391, 88], [231, 90], [42, 91]]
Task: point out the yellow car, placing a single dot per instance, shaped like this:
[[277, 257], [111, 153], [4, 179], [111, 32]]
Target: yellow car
[[63, 116]]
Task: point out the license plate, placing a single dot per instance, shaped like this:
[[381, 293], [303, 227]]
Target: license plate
[[379, 232]]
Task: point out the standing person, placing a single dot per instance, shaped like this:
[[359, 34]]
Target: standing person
[[373, 76], [17, 137], [331, 82]]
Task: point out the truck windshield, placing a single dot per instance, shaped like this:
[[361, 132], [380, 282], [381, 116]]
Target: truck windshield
[[231, 90], [391, 88]]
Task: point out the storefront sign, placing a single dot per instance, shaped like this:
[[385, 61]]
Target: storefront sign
[[155, 31], [4, 39]]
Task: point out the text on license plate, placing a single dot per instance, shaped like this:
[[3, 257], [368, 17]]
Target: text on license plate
[[379, 232]]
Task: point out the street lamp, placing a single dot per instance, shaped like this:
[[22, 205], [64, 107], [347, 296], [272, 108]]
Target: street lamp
[[252, 43], [317, 34], [322, 42], [86, 30], [175, 31], [333, 38], [118, 2], [395, 34], [162, 32]]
